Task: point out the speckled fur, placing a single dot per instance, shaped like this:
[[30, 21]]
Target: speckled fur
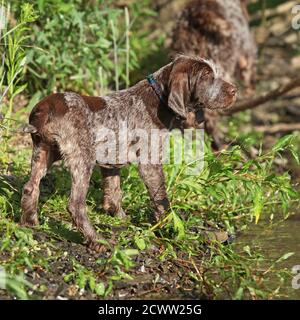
[[67, 125]]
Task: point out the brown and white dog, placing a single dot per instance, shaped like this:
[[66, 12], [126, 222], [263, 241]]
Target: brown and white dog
[[67, 125], [218, 30]]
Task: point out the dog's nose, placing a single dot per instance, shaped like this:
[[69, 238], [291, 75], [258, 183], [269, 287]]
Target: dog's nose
[[232, 91]]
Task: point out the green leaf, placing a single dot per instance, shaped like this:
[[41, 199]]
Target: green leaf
[[257, 203], [100, 289], [68, 277], [247, 250], [19, 90], [92, 283], [82, 280], [178, 226], [282, 143], [191, 185], [215, 168], [239, 294], [285, 256], [131, 252], [34, 100], [28, 14], [295, 155], [140, 243]]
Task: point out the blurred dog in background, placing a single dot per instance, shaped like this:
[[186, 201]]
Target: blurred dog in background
[[218, 30]]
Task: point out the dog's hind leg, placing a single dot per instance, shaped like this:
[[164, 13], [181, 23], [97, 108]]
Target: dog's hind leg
[[42, 159], [80, 176], [112, 193]]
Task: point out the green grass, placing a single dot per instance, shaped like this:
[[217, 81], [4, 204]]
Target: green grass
[[231, 193]]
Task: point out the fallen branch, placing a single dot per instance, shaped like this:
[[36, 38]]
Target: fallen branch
[[290, 97], [279, 127], [255, 102]]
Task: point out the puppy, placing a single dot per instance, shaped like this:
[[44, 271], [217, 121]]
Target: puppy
[[79, 129]]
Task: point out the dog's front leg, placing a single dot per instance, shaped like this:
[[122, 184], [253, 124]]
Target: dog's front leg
[[29, 202], [112, 193], [154, 179]]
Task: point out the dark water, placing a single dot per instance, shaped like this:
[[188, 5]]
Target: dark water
[[274, 241]]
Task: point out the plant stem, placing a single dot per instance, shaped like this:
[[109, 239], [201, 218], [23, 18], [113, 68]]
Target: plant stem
[[115, 55], [127, 30]]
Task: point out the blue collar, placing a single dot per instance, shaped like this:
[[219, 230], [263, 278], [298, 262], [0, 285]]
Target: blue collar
[[155, 86]]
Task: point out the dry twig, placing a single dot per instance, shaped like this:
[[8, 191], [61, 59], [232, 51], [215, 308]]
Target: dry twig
[[255, 102]]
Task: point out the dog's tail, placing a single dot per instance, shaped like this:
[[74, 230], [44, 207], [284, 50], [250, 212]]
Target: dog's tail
[[29, 128]]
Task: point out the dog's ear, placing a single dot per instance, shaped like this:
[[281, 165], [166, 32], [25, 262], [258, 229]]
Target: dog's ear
[[178, 93]]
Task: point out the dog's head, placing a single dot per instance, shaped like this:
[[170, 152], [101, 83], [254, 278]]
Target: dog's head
[[195, 83]]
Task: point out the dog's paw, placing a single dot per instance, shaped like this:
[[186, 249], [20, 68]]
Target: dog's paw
[[97, 246], [113, 210], [121, 214], [29, 220]]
